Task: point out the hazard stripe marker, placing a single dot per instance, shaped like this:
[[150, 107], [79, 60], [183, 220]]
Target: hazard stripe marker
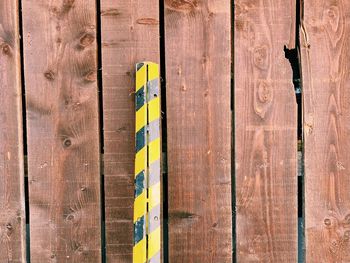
[[147, 221]]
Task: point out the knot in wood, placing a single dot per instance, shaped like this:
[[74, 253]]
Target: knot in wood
[[6, 49], [333, 12], [67, 143], [91, 76], [347, 219], [86, 40], [346, 235], [333, 18], [182, 5], [327, 222], [70, 217], [264, 91], [110, 12], [147, 21], [67, 4], [260, 57], [49, 75]]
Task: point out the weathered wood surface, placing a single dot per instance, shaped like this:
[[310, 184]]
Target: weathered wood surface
[[63, 133], [198, 52], [325, 62], [130, 34], [265, 132], [12, 216]]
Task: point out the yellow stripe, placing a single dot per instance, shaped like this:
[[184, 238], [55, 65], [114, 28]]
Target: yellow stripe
[[141, 161], [154, 243], [153, 71], [154, 109], [141, 77], [141, 118], [154, 196], [154, 150], [140, 206], [139, 252]]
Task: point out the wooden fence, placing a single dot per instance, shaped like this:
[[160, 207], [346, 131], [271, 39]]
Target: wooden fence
[[232, 121]]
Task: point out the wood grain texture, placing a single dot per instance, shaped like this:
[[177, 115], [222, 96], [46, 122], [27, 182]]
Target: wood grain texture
[[325, 64], [265, 132], [198, 67], [63, 133], [130, 34], [12, 211]]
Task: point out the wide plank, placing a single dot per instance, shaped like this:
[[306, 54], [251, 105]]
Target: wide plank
[[265, 132], [60, 53], [198, 96], [130, 34], [12, 210], [325, 51]]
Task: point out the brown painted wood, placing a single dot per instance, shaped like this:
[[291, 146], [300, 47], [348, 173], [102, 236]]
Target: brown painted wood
[[325, 61], [63, 133], [265, 132], [198, 67], [130, 34], [12, 211]]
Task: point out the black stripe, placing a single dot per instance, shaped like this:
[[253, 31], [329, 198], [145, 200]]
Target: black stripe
[[139, 66], [140, 98], [139, 230], [140, 139], [139, 183]]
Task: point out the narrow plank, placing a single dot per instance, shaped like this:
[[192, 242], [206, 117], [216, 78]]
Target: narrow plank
[[325, 62], [130, 34], [265, 132], [198, 67], [63, 137], [12, 210]]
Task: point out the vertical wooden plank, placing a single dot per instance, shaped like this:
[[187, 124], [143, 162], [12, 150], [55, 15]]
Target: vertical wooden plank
[[325, 62], [265, 132], [12, 211], [63, 138], [130, 34], [198, 67]]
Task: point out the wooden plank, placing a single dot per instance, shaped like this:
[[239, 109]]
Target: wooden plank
[[130, 34], [12, 211], [325, 53], [63, 133], [265, 132], [198, 67]]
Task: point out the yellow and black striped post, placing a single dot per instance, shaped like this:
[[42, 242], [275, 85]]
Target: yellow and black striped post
[[147, 232]]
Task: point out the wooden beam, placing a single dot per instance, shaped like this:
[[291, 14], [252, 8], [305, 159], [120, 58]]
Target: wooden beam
[[325, 61], [130, 34], [63, 132], [12, 210], [198, 95], [265, 132]]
